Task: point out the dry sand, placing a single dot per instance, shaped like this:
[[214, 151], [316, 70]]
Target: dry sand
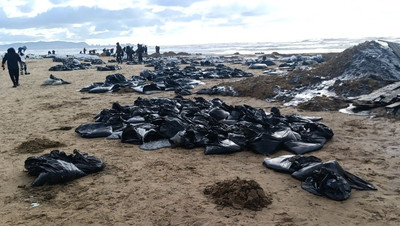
[[165, 187]]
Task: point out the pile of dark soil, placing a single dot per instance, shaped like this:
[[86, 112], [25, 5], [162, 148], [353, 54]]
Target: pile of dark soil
[[264, 87], [258, 87], [38, 145], [323, 103], [238, 194], [357, 87]]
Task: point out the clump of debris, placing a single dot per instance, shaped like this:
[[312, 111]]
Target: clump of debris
[[323, 103], [37, 145], [238, 194]]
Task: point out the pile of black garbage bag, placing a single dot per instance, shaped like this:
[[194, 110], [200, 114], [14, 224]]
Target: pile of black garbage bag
[[317, 177], [114, 83], [222, 129], [165, 79], [70, 64], [58, 167]]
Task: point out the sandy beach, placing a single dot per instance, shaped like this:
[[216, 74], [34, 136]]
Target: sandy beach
[[166, 186]]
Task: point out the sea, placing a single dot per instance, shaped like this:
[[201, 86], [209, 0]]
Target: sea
[[296, 47]]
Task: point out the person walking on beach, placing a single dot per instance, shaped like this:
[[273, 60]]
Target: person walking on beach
[[139, 52], [12, 59], [22, 54], [129, 53], [119, 53]]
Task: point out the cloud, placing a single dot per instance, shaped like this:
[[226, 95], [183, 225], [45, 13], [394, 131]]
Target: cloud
[[67, 16], [184, 21], [176, 15], [180, 3]]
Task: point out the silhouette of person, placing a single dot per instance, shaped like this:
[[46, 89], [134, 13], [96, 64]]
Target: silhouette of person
[[139, 52], [119, 53], [129, 53], [12, 59]]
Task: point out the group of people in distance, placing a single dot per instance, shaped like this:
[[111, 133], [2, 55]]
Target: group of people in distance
[[129, 51], [16, 62]]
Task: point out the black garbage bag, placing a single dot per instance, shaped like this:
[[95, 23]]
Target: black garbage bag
[[333, 167], [108, 68], [101, 89], [218, 113], [313, 136], [139, 134], [115, 79], [300, 147], [324, 179], [89, 87], [265, 144], [290, 163], [172, 126], [58, 167], [93, 130], [224, 147], [53, 80], [324, 182]]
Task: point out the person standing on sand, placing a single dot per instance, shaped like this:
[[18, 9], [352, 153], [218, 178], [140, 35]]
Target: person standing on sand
[[12, 59], [139, 52], [119, 53], [22, 54]]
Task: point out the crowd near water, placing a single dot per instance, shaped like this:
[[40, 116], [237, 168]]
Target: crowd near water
[[304, 46]]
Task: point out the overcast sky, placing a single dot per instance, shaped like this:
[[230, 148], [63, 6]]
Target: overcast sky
[[171, 22]]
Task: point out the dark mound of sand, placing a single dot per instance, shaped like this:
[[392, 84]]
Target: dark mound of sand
[[38, 145], [172, 53], [323, 103], [356, 71], [238, 194]]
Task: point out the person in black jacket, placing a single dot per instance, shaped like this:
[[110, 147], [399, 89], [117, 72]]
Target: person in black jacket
[[12, 59], [120, 53]]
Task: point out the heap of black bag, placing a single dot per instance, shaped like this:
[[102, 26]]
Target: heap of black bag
[[220, 128], [58, 167]]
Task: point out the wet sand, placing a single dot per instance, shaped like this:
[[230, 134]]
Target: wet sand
[[165, 187]]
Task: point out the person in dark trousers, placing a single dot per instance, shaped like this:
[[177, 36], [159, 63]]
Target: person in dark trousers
[[12, 59], [119, 53], [139, 52]]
